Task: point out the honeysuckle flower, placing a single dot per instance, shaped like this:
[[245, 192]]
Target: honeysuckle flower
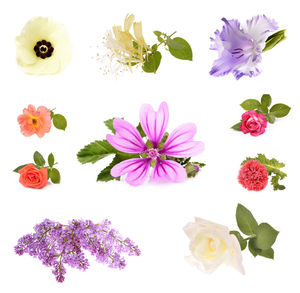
[[123, 48], [239, 48], [211, 245], [35, 121], [179, 144], [43, 47]]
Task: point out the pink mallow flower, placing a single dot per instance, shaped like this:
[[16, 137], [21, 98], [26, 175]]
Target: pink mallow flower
[[179, 144], [253, 123], [35, 121]]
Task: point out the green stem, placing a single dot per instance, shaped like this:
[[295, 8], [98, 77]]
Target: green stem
[[166, 36], [250, 237]]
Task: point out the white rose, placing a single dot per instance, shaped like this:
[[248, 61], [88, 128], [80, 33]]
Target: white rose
[[43, 47], [211, 245]]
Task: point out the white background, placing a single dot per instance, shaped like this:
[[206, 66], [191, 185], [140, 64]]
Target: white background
[[152, 215]]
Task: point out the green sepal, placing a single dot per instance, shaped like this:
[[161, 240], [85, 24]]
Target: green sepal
[[39, 159], [274, 39], [242, 241], [245, 220], [180, 48], [140, 130]]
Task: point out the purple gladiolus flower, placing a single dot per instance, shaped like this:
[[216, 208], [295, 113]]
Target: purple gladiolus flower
[[179, 144], [240, 48], [56, 245]]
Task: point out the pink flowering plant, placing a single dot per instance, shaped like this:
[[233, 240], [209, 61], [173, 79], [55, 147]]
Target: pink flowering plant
[[57, 245], [137, 149], [258, 114]]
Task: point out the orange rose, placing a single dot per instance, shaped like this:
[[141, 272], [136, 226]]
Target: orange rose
[[32, 177]]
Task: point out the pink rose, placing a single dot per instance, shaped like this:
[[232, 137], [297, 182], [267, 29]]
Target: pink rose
[[254, 123]]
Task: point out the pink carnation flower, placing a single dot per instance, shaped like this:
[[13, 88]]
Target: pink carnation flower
[[254, 123], [180, 144], [253, 175], [34, 121]]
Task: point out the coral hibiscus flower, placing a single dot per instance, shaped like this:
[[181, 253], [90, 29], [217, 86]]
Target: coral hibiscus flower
[[179, 144]]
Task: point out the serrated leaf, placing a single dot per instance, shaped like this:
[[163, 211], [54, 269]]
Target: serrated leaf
[[250, 104], [109, 125], [59, 121], [245, 220], [237, 126], [39, 159], [274, 39], [95, 151], [268, 253], [152, 62], [280, 110], [275, 183], [265, 236], [140, 130], [19, 168], [51, 160], [180, 48], [54, 175], [266, 100], [242, 241]]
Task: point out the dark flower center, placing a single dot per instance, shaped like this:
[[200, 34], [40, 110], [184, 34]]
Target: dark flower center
[[43, 49]]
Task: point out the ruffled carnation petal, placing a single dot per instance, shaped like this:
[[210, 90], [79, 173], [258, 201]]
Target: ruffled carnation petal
[[127, 139], [168, 170], [180, 142], [154, 123]]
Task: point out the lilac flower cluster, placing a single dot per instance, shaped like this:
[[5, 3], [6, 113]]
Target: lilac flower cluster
[[57, 245]]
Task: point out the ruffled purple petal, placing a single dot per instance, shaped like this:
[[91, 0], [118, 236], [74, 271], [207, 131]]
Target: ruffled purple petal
[[154, 123], [127, 138], [136, 169], [168, 170], [180, 142]]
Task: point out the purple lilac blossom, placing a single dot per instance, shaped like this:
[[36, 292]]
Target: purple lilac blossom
[[179, 144], [56, 245], [239, 48]]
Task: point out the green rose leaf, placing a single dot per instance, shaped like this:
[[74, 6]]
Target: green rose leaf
[[51, 160], [95, 151], [250, 104], [263, 109], [265, 236], [242, 241], [266, 100], [237, 126], [39, 159], [180, 48], [109, 125], [268, 253], [245, 220], [19, 168], [54, 175], [270, 118], [152, 62], [59, 121], [252, 247], [280, 110], [140, 130], [274, 39]]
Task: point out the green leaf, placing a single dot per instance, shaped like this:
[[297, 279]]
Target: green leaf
[[157, 33], [152, 62], [268, 253], [275, 183], [242, 241], [51, 160], [109, 125], [39, 159], [245, 220], [265, 236], [180, 48], [19, 168], [263, 109], [154, 47], [59, 121], [274, 39], [266, 100], [252, 247], [270, 118], [250, 104], [95, 151], [140, 130], [280, 110], [54, 175], [237, 126]]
